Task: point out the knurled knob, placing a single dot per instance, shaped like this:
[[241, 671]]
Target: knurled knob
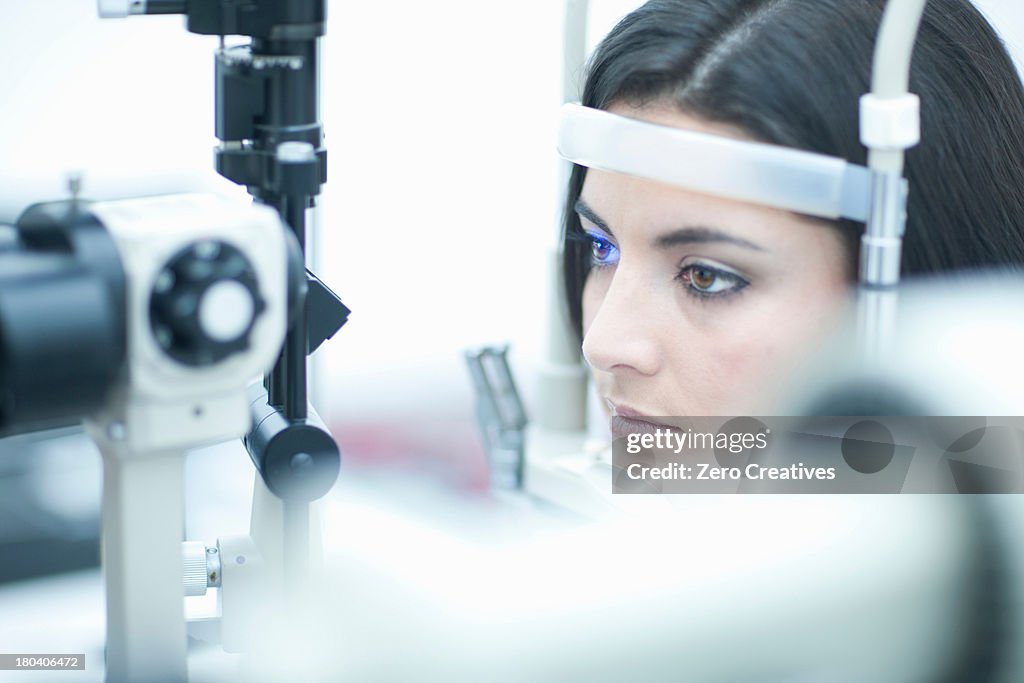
[[195, 578]]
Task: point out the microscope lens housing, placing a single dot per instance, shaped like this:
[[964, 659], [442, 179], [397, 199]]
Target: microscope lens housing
[[142, 293], [62, 317]]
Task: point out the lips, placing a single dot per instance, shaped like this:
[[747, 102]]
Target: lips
[[626, 421], [623, 426]]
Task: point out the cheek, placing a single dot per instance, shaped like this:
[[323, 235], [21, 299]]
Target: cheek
[[725, 374], [744, 360], [735, 367], [780, 341], [722, 364]]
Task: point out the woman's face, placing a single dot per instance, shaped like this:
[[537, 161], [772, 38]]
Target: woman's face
[[697, 305]]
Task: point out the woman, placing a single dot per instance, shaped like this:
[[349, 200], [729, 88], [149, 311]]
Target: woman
[[693, 305]]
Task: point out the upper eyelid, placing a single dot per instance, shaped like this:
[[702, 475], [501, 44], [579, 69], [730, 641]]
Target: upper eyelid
[[724, 274], [598, 232], [585, 222], [584, 212], [712, 265]]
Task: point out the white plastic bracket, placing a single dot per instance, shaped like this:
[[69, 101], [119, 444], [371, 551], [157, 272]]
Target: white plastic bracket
[[890, 123], [245, 587]]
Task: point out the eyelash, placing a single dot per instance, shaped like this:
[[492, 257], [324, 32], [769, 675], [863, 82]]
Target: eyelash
[[599, 241]]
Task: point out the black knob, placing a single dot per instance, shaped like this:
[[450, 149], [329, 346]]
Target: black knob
[[204, 303]]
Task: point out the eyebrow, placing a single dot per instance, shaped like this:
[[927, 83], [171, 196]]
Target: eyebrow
[[688, 235]]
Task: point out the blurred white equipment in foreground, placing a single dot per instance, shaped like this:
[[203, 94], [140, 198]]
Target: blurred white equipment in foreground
[[839, 589]]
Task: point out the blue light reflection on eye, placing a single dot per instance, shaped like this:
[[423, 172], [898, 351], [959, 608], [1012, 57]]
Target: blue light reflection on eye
[[603, 252]]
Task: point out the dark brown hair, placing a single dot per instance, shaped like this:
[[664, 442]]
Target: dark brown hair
[[791, 72]]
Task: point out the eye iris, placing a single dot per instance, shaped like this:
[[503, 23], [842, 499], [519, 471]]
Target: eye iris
[[602, 250], [702, 278]]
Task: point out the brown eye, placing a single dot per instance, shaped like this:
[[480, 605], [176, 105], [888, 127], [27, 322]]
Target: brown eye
[[707, 282], [703, 278]]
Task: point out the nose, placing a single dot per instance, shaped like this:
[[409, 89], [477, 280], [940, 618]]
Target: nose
[[623, 335]]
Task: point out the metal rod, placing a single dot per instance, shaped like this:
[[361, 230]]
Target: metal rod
[[293, 361], [275, 382]]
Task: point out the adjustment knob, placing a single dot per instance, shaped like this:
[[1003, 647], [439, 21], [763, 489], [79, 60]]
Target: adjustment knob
[[204, 303], [195, 579]]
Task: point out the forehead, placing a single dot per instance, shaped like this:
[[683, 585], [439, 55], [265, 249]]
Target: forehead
[[666, 114], [633, 206]]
